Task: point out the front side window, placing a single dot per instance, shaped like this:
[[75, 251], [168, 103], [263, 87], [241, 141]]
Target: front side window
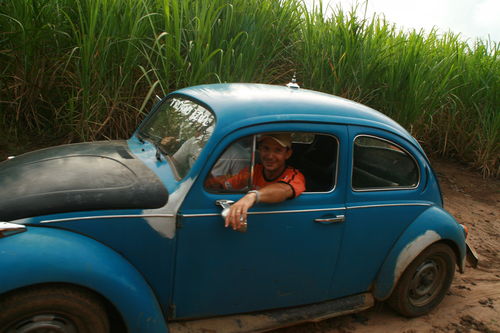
[[245, 162], [180, 128], [381, 164], [231, 172]]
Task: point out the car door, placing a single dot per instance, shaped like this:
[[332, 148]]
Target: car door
[[387, 191], [287, 256]]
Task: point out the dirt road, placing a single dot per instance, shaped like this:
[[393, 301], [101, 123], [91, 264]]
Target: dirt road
[[473, 302]]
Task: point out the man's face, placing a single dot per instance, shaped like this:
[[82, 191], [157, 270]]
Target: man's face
[[273, 155]]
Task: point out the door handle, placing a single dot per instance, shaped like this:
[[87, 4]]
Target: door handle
[[225, 204], [336, 219]]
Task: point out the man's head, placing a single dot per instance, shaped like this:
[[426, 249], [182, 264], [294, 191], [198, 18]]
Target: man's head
[[275, 149]]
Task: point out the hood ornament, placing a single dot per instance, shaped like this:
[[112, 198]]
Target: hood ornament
[[293, 84]]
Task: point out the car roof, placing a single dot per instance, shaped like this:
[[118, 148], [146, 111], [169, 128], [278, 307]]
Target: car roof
[[238, 105]]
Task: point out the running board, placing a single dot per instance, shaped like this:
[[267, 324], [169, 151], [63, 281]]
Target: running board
[[274, 319]]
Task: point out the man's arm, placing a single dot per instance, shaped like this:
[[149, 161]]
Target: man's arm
[[234, 182], [273, 193]]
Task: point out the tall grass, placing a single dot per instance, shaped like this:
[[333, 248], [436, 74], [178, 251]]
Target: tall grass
[[220, 41], [30, 35], [86, 69], [444, 91]]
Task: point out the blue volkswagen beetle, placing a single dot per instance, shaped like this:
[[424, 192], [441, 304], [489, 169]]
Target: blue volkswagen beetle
[[127, 236]]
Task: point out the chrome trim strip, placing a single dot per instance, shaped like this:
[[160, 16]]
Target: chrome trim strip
[[336, 178], [314, 210], [297, 211], [202, 215], [271, 212], [252, 158], [378, 189], [69, 219], [390, 205]]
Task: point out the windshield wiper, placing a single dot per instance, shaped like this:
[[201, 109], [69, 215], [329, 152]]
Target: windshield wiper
[[158, 152], [142, 137]]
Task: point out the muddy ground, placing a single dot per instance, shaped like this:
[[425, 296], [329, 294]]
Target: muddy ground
[[473, 302]]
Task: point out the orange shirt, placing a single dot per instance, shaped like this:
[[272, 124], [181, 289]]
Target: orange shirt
[[290, 176]]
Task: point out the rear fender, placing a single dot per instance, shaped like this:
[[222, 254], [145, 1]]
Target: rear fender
[[432, 226], [48, 255]]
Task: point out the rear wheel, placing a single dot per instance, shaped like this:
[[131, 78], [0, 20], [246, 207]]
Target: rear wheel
[[425, 282], [52, 309]]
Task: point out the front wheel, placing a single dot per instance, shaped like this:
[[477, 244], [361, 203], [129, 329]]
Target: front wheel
[[52, 309], [425, 282]]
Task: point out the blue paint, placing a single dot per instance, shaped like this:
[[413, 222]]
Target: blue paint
[[434, 219], [44, 255], [285, 259]]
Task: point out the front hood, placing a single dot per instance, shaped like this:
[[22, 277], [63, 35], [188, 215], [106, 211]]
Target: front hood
[[77, 177]]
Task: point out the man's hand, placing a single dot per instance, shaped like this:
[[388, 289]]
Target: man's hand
[[166, 140], [237, 216], [273, 193], [215, 183]]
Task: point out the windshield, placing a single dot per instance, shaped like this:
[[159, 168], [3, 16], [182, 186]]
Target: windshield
[[180, 128]]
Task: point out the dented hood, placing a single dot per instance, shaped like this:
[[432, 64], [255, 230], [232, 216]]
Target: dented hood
[[77, 177]]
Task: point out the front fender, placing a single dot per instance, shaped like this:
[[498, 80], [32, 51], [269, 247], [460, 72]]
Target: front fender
[[433, 225], [47, 255]]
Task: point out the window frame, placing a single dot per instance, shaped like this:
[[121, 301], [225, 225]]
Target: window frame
[[398, 188], [337, 162], [157, 109]]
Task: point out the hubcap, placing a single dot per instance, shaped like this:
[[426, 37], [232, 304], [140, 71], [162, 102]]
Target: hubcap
[[427, 281], [45, 323]]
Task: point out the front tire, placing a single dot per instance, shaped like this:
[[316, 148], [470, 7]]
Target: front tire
[[52, 309], [425, 282]]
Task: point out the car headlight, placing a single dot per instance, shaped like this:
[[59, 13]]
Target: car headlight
[[8, 229]]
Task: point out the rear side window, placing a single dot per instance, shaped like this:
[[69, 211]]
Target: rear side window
[[380, 164]]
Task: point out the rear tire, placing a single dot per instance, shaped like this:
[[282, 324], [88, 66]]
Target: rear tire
[[425, 282], [53, 309]]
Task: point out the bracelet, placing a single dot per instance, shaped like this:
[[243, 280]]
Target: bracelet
[[257, 195]]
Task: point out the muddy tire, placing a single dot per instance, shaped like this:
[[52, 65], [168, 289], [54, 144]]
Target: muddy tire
[[425, 282], [52, 309]]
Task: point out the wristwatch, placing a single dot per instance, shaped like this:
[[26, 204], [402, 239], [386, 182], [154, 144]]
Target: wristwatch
[[257, 195]]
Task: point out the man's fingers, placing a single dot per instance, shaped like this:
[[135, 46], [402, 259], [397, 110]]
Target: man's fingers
[[243, 218], [230, 217], [237, 215], [233, 218]]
